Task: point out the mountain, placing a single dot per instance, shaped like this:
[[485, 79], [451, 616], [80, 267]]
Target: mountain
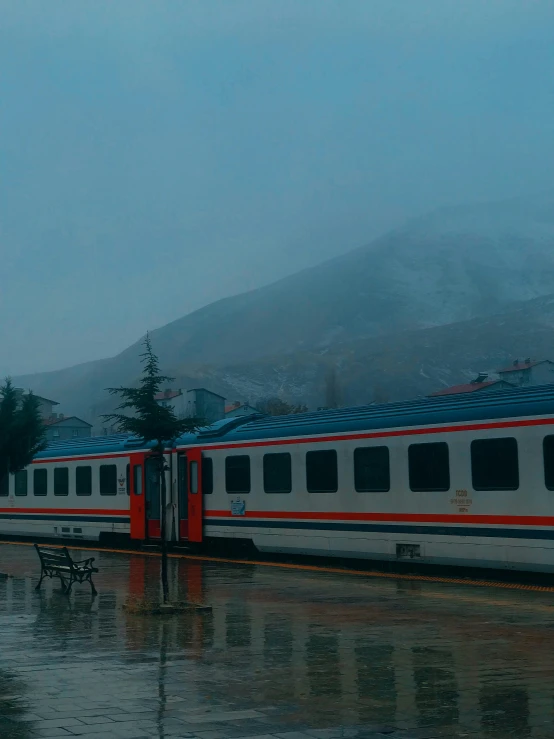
[[444, 269], [403, 365]]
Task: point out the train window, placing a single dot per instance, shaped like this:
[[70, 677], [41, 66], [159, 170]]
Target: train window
[[40, 482], [207, 476], [237, 474], [494, 464], [61, 481], [429, 467], [108, 479], [548, 455], [137, 471], [83, 480], [372, 469], [21, 482], [321, 471], [277, 473], [193, 473], [4, 486]]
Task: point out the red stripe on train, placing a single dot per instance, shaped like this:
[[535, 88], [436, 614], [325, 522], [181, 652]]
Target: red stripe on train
[[76, 511], [408, 517], [345, 436]]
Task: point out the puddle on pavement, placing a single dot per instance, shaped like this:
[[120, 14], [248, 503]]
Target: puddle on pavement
[[318, 650]]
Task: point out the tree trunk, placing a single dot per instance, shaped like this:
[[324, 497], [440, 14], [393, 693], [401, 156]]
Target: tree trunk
[[163, 534]]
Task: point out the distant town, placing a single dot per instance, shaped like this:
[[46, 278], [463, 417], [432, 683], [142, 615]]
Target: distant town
[[202, 403]]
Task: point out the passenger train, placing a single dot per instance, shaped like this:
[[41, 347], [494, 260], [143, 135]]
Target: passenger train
[[453, 480]]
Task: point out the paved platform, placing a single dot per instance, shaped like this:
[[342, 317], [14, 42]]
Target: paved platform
[[284, 654]]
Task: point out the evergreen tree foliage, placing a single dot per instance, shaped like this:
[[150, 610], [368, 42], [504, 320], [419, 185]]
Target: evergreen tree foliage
[[21, 429], [333, 395], [278, 407], [151, 422]]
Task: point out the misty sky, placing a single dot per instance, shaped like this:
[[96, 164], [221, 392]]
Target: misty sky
[[155, 156]]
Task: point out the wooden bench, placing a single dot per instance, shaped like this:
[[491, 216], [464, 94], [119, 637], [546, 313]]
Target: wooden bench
[[58, 563]]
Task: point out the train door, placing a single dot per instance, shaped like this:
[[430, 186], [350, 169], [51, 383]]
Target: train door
[[182, 492], [138, 516], [194, 460], [152, 501]]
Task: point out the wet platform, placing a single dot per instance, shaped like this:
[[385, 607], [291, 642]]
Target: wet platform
[[285, 654]]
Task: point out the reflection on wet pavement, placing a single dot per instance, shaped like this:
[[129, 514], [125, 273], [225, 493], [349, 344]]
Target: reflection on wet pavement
[[286, 653]]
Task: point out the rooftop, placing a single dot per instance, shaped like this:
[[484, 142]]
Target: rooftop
[[468, 387], [54, 421], [168, 395], [517, 366]]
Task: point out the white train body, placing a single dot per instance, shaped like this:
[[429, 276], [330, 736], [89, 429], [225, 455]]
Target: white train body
[[457, 481]]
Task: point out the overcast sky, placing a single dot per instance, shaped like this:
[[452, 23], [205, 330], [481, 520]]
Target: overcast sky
[[156, 156]]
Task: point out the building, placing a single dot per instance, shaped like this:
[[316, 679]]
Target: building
[[66, 427], [528, 372], [518, 374], [45, 405], [239, 409], [57, 425], [480, 384], [194, 403]]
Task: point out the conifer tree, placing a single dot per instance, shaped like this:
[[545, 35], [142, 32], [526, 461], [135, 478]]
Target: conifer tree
[[278, 407], [152, 423], [21, 430]]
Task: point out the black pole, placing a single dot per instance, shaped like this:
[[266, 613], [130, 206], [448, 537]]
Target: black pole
[[165, 585]]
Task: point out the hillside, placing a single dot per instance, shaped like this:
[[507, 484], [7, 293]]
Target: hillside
[[452, 265], [402, 365], [390, 308]]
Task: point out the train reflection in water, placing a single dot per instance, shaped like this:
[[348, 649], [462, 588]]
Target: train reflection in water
[[332, 651]]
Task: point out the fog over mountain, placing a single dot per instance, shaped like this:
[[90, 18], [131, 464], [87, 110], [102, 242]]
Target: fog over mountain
[[474, 282], [159, 156]]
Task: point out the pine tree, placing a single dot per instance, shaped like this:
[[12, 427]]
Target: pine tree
[[21, 430], [152, 423], [278, 407], [332, 389]]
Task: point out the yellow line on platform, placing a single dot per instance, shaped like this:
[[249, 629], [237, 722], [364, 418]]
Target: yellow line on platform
[[312, 568]]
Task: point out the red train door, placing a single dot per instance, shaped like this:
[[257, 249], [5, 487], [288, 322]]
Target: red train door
[[194, 460], [136, 492]]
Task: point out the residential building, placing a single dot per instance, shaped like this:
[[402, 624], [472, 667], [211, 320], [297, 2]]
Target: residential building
[[528, 372], [66, 427], [194, 403], [519, 374], [239, 409], [45, 405], [57, 425]]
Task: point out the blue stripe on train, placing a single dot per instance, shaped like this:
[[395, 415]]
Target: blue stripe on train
[[504, 533], [62, 517]]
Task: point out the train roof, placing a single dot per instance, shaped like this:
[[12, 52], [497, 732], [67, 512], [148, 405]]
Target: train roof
[[430, 411], [86, 445]]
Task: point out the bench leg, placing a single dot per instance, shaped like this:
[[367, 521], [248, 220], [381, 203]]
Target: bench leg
[[40, 581], [62, 582], [68, 589], [92, 588]]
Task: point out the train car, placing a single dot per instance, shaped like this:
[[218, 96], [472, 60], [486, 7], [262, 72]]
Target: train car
[[457, 480]]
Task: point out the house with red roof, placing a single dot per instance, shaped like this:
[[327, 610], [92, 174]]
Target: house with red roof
[[480, 384], [528, 372], [519, 374], [239, 409]]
